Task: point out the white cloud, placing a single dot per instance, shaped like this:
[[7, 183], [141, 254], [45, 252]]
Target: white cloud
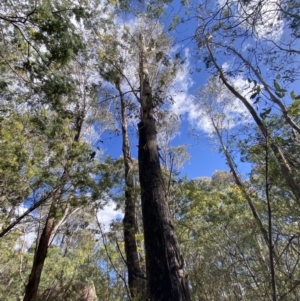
[[186, 104], [225, 66], [183, 100], [29, 235], [214, 99], [108, 214], [262, 16], [26, 240]]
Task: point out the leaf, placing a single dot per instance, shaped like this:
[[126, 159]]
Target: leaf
[[3, 85], [258, 89], [264, 114], [159, 55], [297, 112], [293, 96], [280, 141], [295, 104], [277, 86], [174, 23]]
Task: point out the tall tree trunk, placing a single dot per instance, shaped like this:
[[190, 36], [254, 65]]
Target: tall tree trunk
[[242, 187], [39, 258], [135, 275], [41, 252], [281, 160], [270, 213], [240, 184], [164, 263]]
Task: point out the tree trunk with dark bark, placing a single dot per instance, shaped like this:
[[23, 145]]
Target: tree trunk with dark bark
[[39, 258], [41, 252], [136, 283], [164, 263]]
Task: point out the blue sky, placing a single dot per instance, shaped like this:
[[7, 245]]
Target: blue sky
[[204, 156], [204, 159]]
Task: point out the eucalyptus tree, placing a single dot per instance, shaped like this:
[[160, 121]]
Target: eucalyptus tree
[[289, 175], [249, 40], [114, 58], [36, 38], [71, 270], [214, 227], [53, 165], [74, 170], [268, 203], [223, 117], [255, 42], [45, 63], [215, 105], [224, 242], [166, 278], [144, 70], [38, 41]]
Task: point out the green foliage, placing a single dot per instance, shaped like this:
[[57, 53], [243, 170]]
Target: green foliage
[[294, 108], [17, 263], [224, 251], [50, 116], [279, 91]]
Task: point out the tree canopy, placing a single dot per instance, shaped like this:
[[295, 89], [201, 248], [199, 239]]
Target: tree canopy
[[96, 98]]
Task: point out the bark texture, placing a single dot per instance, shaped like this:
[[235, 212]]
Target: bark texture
[[39, 259], [135, 275], [164, 263]]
